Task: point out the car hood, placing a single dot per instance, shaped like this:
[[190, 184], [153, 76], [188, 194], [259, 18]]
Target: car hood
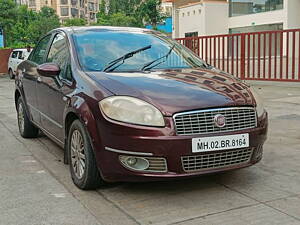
[[174, 91]]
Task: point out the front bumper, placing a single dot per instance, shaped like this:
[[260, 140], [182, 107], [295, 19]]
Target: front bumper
[[163, 143]]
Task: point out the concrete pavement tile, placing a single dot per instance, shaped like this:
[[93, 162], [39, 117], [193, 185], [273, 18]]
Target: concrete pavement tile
[[284, 159], [260, 184], [290, 206], [10, 166], [49, 211], [167, 202], [26, 189], [253, 215], [295, 100]]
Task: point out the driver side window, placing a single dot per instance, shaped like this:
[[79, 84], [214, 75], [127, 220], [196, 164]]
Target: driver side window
[[59, 54]]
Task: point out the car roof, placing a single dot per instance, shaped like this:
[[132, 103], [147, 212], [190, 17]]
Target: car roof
[[102, 28], [20, 49]]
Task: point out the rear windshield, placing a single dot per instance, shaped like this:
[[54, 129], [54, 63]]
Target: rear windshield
[[96, 49]]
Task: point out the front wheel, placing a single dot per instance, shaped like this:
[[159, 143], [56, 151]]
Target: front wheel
[[83, 167]]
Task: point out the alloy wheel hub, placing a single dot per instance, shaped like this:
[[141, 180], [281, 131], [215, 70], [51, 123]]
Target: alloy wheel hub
[[77, 154]]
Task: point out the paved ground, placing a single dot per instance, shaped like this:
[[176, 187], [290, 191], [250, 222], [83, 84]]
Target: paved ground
[[35, 186]]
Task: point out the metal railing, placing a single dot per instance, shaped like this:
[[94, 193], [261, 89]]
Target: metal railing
[[269, 55]]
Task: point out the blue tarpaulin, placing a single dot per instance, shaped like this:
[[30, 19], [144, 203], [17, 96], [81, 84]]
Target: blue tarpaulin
[[166, 26], [1, 38]]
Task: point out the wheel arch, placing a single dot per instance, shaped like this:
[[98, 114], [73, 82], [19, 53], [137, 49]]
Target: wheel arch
[[79, 109]]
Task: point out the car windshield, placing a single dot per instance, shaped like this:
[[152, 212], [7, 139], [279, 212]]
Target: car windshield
[[97, 48]]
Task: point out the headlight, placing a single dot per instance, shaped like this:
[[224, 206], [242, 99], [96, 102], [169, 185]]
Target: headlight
[[131, 110], [259, 103]]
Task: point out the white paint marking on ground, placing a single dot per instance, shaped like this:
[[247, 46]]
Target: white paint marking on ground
[[41, 171], [59, 195], [29, 161]]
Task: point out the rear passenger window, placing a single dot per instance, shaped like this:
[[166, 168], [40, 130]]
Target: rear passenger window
[[14, 54], [40, 50]]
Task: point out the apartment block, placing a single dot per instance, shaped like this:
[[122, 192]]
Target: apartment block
[[67, 9]]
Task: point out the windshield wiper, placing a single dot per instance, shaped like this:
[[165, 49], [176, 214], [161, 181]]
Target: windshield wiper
[[165, 57], [122, 59]]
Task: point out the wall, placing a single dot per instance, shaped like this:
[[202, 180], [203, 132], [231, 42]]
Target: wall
[[271, 17], [175, 14], [4, 55], [216, 17], [191, 19], [207, 17], [293, 15]]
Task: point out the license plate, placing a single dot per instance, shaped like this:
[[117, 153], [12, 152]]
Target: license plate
[[220, 143]]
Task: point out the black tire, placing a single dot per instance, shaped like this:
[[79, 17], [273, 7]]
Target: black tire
[[11, 74], [26, 128], [90, 178]]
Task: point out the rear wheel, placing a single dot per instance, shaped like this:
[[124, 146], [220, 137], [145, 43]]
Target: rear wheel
[[11, 74], [26, 128], [83, 167]]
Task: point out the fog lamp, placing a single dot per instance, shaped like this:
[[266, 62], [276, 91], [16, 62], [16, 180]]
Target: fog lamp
[[134, 163], [131, 161]]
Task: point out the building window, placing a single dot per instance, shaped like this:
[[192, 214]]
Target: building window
[[74, 2], [91, 6], [245, 7], [31, 3], [64, 11], [92, 16], [81, 3], [191, 34], [74, 12], [63, 2], [81, 14]]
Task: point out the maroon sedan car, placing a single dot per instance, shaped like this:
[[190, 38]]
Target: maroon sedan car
[[130, 104]]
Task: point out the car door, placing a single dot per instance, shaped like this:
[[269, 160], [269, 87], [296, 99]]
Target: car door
[[51, 92], [30, 75]]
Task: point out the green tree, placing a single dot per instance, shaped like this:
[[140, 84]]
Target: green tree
[[102, 7], [149, 10], [19, 31], [24, 27], [116, 19], [127, 7], [45, 21], [75, 22], [8, 11]]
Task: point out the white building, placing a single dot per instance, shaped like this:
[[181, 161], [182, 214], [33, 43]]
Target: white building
[[211, 17], [166, 7]]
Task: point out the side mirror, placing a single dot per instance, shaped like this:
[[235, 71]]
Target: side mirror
[[48, 70]]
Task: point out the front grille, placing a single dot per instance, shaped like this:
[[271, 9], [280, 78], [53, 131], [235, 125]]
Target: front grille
[[216, 160], [202, 121], [156, 164]]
